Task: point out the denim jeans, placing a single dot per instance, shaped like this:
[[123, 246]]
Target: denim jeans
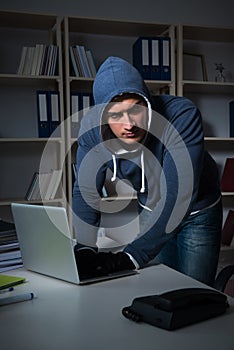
[[194, 250]]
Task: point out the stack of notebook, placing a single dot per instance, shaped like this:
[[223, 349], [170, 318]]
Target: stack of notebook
[[10, 255]]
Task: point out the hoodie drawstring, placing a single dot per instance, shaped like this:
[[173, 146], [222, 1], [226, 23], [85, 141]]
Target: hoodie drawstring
[[113, 178], [142, 173], [115, 168]]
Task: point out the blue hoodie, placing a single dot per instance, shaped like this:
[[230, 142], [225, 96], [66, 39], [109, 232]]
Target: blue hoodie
[[170, 170]]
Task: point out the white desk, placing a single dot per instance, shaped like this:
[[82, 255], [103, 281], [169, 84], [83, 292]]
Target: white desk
[[70, 317]]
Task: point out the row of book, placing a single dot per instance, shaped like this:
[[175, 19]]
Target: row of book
[[152, 57], [48, 112], [10, 255], [38, 60], [44, 186], [82, 62]]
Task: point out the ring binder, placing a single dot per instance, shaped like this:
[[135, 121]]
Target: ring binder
[[152, 57], [42, 113]]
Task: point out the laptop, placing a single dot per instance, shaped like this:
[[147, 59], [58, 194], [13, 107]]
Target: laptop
[[46, 244]]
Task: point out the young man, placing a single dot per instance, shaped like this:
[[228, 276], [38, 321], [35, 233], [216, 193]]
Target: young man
[[157, 144]]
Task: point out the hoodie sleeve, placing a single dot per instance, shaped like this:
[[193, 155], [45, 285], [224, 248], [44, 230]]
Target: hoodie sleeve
[[87, 191], [182, 164]]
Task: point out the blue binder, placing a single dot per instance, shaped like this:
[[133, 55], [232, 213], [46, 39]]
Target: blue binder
[[141, 56], [86, 101], [155, 57], [152, 57], [43, 114], [80, 103], [54, 113], [74, 117], [231, 111], [165, 63]]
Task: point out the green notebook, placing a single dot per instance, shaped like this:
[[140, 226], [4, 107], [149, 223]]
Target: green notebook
[[9, 281]]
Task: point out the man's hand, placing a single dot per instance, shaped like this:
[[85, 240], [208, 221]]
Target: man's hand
[[92, 264], [105, 263], [85, 258]]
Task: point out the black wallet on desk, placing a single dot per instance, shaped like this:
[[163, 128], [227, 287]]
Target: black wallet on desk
[[177, 308]]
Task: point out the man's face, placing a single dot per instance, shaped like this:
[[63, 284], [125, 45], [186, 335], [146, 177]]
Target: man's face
[[128, 120]]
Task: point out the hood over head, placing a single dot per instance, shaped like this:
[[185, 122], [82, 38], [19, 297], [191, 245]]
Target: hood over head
[[116, 77]]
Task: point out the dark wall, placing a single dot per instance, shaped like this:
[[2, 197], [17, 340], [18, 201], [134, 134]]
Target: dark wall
[[201, 12]]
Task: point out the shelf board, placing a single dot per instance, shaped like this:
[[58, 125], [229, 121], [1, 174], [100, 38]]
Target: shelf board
[[157, 84], [219, 139], [16, 79], [227, 194], [30, 139], [80, 79], [151, 84], [227, 248], [84, 84], [8, 201], [129, 197], [119, 198], [208, 86]]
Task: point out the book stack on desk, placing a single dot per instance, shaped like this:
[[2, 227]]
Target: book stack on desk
[[10, 255]]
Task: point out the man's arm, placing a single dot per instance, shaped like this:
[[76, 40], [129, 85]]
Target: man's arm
[[86, 194], [181, 170]]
